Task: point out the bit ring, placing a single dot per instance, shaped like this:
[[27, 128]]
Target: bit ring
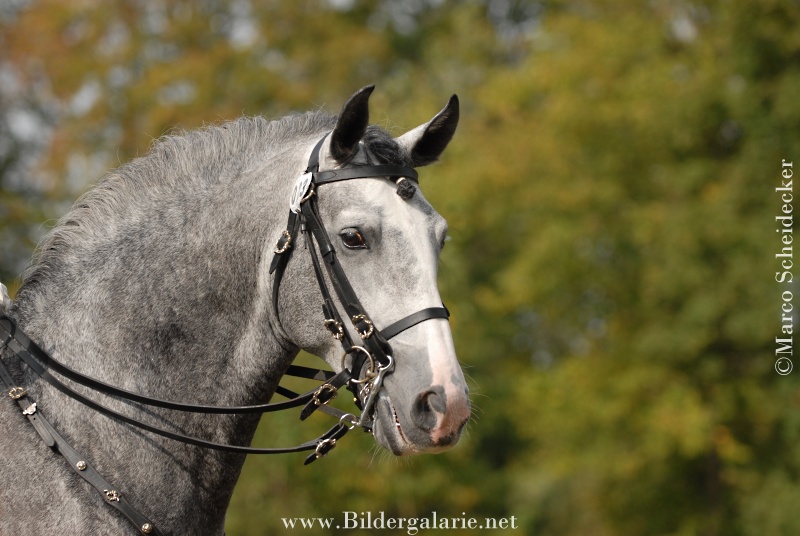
[[370, 371]]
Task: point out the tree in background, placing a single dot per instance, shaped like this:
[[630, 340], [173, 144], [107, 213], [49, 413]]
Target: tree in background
[[611, 201]]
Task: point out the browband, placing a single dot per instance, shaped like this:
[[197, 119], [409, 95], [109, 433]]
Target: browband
[[363, 172]]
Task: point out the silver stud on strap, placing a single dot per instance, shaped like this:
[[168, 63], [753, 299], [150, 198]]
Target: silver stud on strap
[[81, 465], [147, 528]]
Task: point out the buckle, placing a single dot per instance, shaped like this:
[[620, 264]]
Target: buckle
[[370, 327], [324, 394], [287, 242], [324, 447], [335, 328], [17, 392]]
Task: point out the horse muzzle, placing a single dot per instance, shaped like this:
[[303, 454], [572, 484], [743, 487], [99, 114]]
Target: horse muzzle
[[431, 421]]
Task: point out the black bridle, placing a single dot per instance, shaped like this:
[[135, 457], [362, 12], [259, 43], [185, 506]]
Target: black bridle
[[372, 358], [304, 218]]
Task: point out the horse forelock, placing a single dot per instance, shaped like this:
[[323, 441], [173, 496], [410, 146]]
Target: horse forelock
[[384, 147]]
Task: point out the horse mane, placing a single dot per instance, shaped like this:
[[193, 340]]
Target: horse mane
[[175, 165], [179, 165]]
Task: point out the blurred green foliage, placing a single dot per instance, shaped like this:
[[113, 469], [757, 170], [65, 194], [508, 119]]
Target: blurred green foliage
[[611, 201]]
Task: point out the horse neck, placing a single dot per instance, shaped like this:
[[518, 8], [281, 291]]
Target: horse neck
[[175, 305]]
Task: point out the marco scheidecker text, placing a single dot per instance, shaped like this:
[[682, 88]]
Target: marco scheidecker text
[[784, 343]]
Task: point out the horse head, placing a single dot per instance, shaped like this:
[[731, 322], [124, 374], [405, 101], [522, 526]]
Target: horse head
[[387, 239]]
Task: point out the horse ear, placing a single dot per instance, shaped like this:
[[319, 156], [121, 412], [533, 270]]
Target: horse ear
[[351, 125], [426, 143]]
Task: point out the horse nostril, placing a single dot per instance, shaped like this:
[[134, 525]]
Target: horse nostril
[[427, 405]]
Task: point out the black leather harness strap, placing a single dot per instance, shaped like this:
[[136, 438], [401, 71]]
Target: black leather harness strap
[[76, 462], [414, 319], [42, 371], [364, 172], [19, 342], [341, 285], [20, 395], [333, 321]]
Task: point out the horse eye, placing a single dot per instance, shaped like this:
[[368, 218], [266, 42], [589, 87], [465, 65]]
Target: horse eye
[[353, 239]]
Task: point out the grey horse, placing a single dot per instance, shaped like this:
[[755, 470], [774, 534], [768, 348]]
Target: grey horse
[[157, 281]]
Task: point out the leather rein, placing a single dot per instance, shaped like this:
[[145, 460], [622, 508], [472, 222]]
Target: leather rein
[[372, 357]]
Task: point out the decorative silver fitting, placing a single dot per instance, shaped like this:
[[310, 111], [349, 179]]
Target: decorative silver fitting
[[112, 495], [5, 301], [30, 410], [147, 528], [301, 191], [17, 392], [81, 465]]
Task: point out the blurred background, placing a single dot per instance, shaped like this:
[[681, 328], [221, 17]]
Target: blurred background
[[610, 195]]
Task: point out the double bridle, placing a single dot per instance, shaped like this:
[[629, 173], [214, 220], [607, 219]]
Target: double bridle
[[371, 360], [374, 351]]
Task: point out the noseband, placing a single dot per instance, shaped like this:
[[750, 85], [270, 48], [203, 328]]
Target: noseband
[[373, 356]]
